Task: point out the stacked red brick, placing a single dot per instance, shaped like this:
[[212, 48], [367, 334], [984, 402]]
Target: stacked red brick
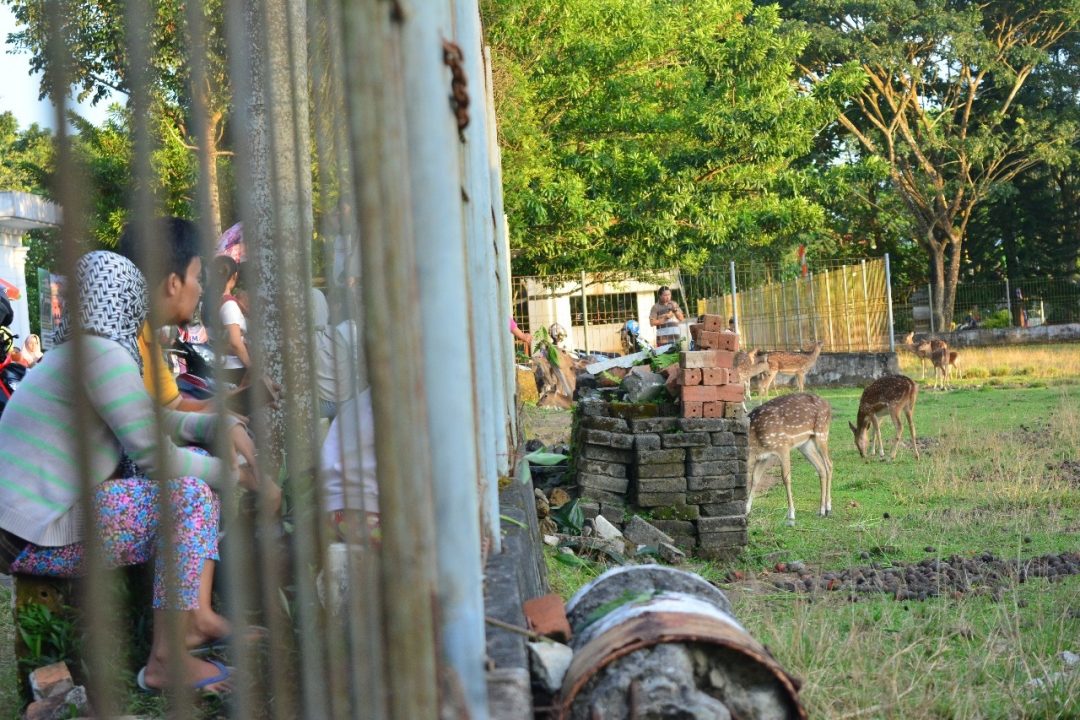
[[710, 386]]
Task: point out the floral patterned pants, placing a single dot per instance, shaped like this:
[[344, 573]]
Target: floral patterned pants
[[128, 515]]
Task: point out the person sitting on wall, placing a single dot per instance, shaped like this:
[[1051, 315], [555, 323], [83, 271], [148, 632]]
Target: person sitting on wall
[[665, 316], [100, 426]]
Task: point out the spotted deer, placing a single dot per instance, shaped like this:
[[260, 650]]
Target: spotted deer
[[800, 420], [750, 365], [940, 359], [790, 363], [891, 394], [923, 348]]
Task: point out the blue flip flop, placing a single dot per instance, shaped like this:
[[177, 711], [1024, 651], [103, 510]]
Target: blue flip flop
[[255, 633], [224, 673]]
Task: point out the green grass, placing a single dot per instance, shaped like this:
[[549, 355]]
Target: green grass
[[989, 480]]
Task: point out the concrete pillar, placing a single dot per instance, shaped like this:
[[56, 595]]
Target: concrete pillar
[[20, 212]]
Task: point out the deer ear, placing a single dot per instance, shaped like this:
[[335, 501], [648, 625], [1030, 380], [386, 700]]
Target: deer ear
[[853, 428]]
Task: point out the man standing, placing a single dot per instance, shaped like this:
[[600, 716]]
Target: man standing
[[665, 316]]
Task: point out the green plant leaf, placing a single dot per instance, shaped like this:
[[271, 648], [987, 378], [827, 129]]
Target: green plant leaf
[[545, 458], [514, 521], [569, 518], [574, 560]]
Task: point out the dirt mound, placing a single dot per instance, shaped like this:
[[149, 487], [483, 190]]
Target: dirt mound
[[954, 576]]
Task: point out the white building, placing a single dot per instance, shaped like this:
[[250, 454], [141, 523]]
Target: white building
[[611, 302], [20, 212]]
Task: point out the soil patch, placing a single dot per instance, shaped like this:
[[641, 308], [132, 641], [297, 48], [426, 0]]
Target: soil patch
[[954, 576], [1069, 471]]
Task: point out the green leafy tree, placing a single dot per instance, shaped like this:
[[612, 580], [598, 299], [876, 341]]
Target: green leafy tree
[[96, 37], [933, 90], [650, 134]]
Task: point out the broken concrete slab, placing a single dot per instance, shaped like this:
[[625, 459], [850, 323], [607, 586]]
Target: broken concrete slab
[[548, 662], [640, 532], [605, 530]]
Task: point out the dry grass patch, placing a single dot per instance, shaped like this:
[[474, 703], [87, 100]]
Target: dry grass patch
[[1041, 361]]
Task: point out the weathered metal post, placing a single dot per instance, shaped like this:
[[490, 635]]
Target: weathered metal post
[[380, 162], [432, 134], [847, 307], [930, 299], [1008, 300], [584, 312], [829, 309], [735, 301], [888, 297], [784, 320], [866, 304], [798, 313]]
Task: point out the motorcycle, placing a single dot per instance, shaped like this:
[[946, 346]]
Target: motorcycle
[[11, 372]]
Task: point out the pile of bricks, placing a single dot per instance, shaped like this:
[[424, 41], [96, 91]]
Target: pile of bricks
[[688, 475], [709, 383]]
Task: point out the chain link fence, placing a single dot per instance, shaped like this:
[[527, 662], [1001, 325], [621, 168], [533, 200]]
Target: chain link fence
[[998, 303]]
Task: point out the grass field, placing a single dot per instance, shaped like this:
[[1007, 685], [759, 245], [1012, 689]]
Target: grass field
[[995, 476]]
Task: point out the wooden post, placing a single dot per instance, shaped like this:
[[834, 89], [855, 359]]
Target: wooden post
[[378, 146], [585, 313]]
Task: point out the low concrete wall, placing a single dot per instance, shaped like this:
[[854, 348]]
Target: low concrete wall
[[1013, 336], [846, 370]]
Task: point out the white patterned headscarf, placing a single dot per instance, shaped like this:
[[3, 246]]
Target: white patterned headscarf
[[113, 301]]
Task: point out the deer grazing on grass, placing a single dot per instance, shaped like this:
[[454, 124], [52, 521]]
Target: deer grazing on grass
[[798, 421], [891, 394], [790, 363]]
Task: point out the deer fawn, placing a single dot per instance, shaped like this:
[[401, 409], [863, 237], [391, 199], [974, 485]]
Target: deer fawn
[[790, 363], [890, 394], [954, 364], [798, 421]]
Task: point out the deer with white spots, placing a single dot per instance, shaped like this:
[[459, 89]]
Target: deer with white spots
[[891, 394], [790, 363], [790, 421]]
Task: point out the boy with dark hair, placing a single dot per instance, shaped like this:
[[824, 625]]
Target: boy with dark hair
[[175, 283]]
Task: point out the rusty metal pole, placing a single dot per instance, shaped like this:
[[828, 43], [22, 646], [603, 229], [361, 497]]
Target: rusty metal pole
[[734, 301], [584, 312]]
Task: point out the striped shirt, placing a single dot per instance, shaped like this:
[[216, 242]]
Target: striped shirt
[[39, 439], [669, 331]]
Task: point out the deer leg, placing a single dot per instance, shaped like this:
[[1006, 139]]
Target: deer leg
[[895, 413], [875, 438], [785, 473], [810, 451], [910, 412], [801, 377], [756, 470], [769, 377]]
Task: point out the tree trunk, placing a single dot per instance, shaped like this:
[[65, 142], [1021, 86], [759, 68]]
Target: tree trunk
[[209, 141], [937, 279], [951, 281]]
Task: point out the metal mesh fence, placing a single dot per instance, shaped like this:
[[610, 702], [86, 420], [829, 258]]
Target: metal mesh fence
[[1002, 303], [844, 306]]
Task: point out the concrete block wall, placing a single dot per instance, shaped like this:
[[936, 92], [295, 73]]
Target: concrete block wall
[[687, 475]]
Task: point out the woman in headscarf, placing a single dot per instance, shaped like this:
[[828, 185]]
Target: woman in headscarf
[[96, 422], [31, 351]]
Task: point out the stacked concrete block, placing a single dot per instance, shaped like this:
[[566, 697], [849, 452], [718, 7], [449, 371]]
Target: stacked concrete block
[[686, 475], [710, 383]]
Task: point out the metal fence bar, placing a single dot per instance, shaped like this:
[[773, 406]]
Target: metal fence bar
[[866, 303]]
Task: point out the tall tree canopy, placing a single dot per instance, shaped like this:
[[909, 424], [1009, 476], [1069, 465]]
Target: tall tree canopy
[[96, 36], [934, 92], [647, 134]]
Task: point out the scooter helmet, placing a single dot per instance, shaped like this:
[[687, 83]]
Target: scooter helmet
[[632, 327]]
